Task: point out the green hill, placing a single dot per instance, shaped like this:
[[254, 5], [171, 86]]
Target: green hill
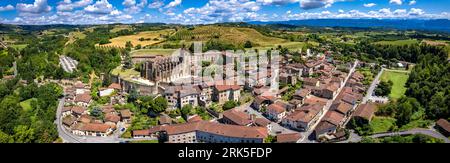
[[232, 35]]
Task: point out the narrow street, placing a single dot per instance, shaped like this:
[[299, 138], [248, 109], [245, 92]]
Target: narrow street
[[307, 136]]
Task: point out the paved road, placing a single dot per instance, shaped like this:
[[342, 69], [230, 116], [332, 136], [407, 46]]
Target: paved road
[[373, 86], [307, 136], [428, 132], [356, 138]]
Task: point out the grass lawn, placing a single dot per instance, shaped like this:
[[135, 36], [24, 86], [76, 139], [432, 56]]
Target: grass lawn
[[398, 42], [399, 79], [149, 52], [144, 141], [26, 105], [382, 124]]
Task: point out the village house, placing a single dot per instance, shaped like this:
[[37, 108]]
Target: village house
[[125, 115], [92, 129], [69, 120], [288, 138], [210, 132], [235, 117], [288, 78], [263, 122], [444, 127], [148, 133], [164, 120], [302, 94], [224, 93], [188, 96], [80, 88], [342, 107], [302, 119], [83, 99], [263, 101], [330, 122], [313, 82], [364, 113], [275, 112]]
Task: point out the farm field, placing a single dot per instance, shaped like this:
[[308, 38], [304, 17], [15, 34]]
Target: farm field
[[399, 79], [234, 35], [144, 52], [118, 28], [398, 42], [151, 35]]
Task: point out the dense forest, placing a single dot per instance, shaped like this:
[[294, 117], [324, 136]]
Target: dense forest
[[33, 123]]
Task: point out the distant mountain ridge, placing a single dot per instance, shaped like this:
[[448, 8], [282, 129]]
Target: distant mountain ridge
[[442, 25]]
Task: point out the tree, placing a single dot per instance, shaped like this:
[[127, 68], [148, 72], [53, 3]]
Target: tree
[[384, 88], [128, 45], [229, 105], [270, 139], [5, 138], [96, 112], [248, 44], [186, 110], [160, 105], [139, 46], [23, 134]]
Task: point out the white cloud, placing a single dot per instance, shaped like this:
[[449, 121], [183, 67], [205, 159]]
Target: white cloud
[[398, 2], [129, 3], [156, 4], [312, 4], [223, 11], [38, 7], [100, 7], [416, 12], [277, 2], [413, 2], [370, 5], [67, 5], [132, 7], [6, 8], [173, 4]]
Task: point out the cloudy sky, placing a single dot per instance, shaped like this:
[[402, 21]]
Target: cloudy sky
[[212, 11]]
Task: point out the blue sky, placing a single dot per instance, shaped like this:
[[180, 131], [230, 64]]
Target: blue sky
[[212, 11]]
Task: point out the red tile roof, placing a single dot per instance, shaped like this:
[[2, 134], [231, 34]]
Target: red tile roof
[[222, 88], [93, 127], [277, 108], [217, 129], [333, 117], [365, 111], [237, 117], [444, 124], [115, 86], [288, 138], [85, 98]]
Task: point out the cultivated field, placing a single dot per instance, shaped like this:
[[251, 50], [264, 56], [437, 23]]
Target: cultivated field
[[153, 37], [399, 79], [118, 28], [231, 35]]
